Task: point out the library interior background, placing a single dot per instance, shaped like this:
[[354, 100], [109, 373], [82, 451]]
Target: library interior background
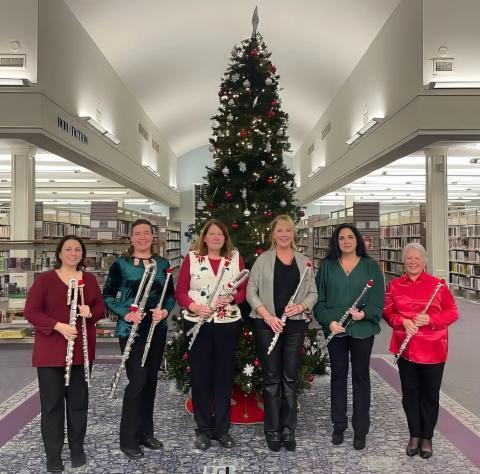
[[105, 117]]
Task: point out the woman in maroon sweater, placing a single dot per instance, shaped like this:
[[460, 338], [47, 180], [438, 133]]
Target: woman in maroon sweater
[[46, 309]]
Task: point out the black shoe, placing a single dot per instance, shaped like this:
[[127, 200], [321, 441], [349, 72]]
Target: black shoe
[[426, 453], [359, 442], [79, 460], [152, 443], [202, 441], [337, 438], [55, 465], [274, 440], [132, 453], [412, 447], [226, 441], [288, 440]]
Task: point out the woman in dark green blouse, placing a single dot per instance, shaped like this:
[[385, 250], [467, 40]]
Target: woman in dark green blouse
[[119, 291], [340, 279]]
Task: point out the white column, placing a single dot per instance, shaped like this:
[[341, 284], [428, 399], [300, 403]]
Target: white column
[[22, 211], [437, 211]]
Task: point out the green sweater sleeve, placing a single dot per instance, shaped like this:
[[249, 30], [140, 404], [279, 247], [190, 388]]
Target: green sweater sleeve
[[376, 294], [110, 290], [322, 314]]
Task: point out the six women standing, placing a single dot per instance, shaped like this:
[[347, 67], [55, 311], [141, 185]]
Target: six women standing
[[340, 279], [204, 274], [119, 292], [46, 309], [420, 306], [273, 280]]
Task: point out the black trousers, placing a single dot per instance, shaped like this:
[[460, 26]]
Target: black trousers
[[54, 397], [340, 350], [212, 364], [280, 373], [139, 396], [421, 395]]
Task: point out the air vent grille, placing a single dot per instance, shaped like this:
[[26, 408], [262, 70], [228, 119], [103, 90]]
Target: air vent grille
[[12, 61], [326, 130]]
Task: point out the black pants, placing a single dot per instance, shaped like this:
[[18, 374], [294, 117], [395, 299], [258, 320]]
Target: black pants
[[421, 395], [212, 364], [54, 396], [139, 396], [280, 373], [340, 350]]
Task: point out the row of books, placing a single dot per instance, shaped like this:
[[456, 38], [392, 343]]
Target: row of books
[[465, 281], [467, 269], [467, 243], [464, 230], [405, 230], [398, 243], [469, 256]]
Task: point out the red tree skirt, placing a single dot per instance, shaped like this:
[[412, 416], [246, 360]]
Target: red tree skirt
[[246, 408]]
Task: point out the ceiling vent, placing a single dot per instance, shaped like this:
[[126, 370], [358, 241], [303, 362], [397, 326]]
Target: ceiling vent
[[12, 62], [311, 148], [326, 130]]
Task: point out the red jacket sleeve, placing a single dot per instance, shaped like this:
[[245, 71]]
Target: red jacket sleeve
[[394, 319], [34, 307], [449, 312], [183, 284], [241, 293]]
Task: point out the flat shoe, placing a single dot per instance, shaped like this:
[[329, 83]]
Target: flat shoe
[[152, 443], [79, 460], [226, 441], [359, 443], [132, 453], [202, 441], [425, 454], [337, 438]]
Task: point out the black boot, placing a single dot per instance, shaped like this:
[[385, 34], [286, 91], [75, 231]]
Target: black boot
[[274, 440], [288, 440]]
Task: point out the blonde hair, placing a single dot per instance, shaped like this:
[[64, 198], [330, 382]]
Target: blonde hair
[[288, 221]]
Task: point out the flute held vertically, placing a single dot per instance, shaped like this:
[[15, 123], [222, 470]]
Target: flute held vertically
[[153, 324], [346, 315], [138, 305], [424, 311], [308, 266], [86, 361], [72, 301]]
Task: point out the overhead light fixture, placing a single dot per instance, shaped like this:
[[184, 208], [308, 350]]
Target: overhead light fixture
[[454, 85], [66, 180], [100, 128], [12, 82], [94, 123], [151, 170], [370, 124], [112, 138], [135, 201], [474, 161], [315, 171]]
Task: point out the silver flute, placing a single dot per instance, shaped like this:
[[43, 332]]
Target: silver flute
[[72, 301], [193, 332], [86, 361], [346, 315], [153, 324], [409, 336], [138, 305], [284, 316]]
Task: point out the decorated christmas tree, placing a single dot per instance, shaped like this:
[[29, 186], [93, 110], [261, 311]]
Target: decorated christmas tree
[[249, 183], [246, 187]]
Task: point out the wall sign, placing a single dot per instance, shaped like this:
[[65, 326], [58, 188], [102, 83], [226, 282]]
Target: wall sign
[[71, 130]]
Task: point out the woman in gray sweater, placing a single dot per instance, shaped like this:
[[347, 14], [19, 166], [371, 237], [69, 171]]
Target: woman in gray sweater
[[274, 278]]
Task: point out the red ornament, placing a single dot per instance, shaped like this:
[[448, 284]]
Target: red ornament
[[301, 213], [185, 356], [273, 69], [228, 195], [310, 378], [275, 102], [256, 362], [254, 52], [270, 180], [259, 250], [243, 133], [212, 205], [268, 213], [246, 334], [270, 114], [234, 225]]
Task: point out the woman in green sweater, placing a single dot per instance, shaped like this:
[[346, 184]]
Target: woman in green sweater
[[340, 279]]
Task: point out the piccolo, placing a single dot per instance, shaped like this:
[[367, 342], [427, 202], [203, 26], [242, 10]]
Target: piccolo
[[72, 301], [231, 288], [138, 305], [408, 337], [346, 315], [86, 361], [308, 266], [153, 324]]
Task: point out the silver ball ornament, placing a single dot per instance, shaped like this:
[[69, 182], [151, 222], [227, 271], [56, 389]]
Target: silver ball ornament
[[246, 212], [268, 81]]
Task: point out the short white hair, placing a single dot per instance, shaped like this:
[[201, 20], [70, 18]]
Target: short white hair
[[414, 246]]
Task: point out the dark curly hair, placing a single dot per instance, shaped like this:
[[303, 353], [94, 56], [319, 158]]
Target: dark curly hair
[[334, 251]]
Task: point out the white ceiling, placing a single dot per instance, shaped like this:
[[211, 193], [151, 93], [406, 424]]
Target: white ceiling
[[171, 55]]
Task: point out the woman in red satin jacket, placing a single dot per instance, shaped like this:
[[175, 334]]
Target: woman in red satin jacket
[[422, 361]]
